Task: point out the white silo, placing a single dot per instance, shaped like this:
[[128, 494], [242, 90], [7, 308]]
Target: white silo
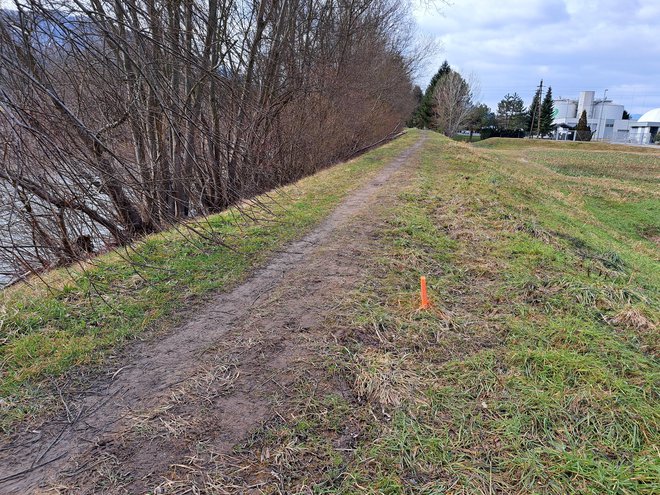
[[586, 102], [564, 109], [609, 110]]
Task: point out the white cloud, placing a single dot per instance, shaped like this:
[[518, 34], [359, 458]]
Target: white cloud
[[573, 44], [483, 13]]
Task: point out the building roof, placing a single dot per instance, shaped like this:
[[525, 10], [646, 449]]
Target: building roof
[[650, 116]]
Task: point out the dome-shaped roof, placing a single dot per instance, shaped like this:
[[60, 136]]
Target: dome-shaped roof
[[650, 116]]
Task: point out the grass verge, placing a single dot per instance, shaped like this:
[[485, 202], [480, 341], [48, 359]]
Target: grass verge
[[78, 316]]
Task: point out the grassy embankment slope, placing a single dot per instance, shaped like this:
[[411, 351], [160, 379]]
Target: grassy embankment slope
[[536, 370], [75, 317]]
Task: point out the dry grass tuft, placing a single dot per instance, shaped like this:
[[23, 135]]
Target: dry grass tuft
[[209, 384], [160, 422], [533, 228], [632, 318], [210, 473], [384, 378], [283, 455]]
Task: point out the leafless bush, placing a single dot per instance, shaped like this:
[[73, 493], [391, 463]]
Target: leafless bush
[[121, 118]]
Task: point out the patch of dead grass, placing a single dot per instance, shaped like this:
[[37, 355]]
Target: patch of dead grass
[[385, 378], [632, 318]]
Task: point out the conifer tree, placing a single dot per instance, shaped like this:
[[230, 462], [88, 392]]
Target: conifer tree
[[418, 94], [547, 109], [582, 129], [511, 112]]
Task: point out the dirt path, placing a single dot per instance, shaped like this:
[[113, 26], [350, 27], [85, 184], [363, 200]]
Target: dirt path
[[211, 381]]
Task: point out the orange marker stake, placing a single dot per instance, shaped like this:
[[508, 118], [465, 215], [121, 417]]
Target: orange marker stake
[[425, 299]]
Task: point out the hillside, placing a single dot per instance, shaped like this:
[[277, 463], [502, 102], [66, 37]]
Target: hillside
[[298, 360]]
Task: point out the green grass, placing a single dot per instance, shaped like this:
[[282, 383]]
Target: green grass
[[621, 165], [463, 138], [633, 219], [535, 371], [521, 144], [75, 317]]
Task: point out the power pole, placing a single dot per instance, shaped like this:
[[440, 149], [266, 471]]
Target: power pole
[[538, 108], [600, 129], [538, 132]]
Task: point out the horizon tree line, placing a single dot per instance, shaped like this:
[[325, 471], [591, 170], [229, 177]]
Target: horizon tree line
[[448, 105]]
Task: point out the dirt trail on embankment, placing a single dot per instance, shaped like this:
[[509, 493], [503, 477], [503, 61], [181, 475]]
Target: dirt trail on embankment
[[213, 380]]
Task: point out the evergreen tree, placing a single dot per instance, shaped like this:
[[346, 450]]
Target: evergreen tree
[[418, 94], [532, 115], [626, 115], [423, 117], [480, 117], [547, 109], [511, 112], [582, 129]]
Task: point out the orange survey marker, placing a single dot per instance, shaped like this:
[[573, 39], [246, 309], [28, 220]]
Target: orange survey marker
[[425, 298]]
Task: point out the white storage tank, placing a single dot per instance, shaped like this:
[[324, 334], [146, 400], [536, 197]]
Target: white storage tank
[[564, 109], [608, 110]]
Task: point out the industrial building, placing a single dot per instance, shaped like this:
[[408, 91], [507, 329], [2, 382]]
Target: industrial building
[[605, 119], [645, 129]]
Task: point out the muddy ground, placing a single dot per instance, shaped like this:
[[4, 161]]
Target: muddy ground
[[212, 381]]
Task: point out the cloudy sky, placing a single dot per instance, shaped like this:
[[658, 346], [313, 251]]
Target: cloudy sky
[[572, 45]]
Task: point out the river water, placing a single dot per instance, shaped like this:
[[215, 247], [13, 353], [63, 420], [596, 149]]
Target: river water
[[5, 268], [7, 271], [4, 279], [13, 231]]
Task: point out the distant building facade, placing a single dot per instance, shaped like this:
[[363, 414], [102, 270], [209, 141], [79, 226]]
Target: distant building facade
[[645, 129], [605, 119]]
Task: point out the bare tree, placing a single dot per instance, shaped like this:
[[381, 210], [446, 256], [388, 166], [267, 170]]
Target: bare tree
[[121, 118], [454, 103]]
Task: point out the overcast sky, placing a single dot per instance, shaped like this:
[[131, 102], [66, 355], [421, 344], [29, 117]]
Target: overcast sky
[[572, 44]]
